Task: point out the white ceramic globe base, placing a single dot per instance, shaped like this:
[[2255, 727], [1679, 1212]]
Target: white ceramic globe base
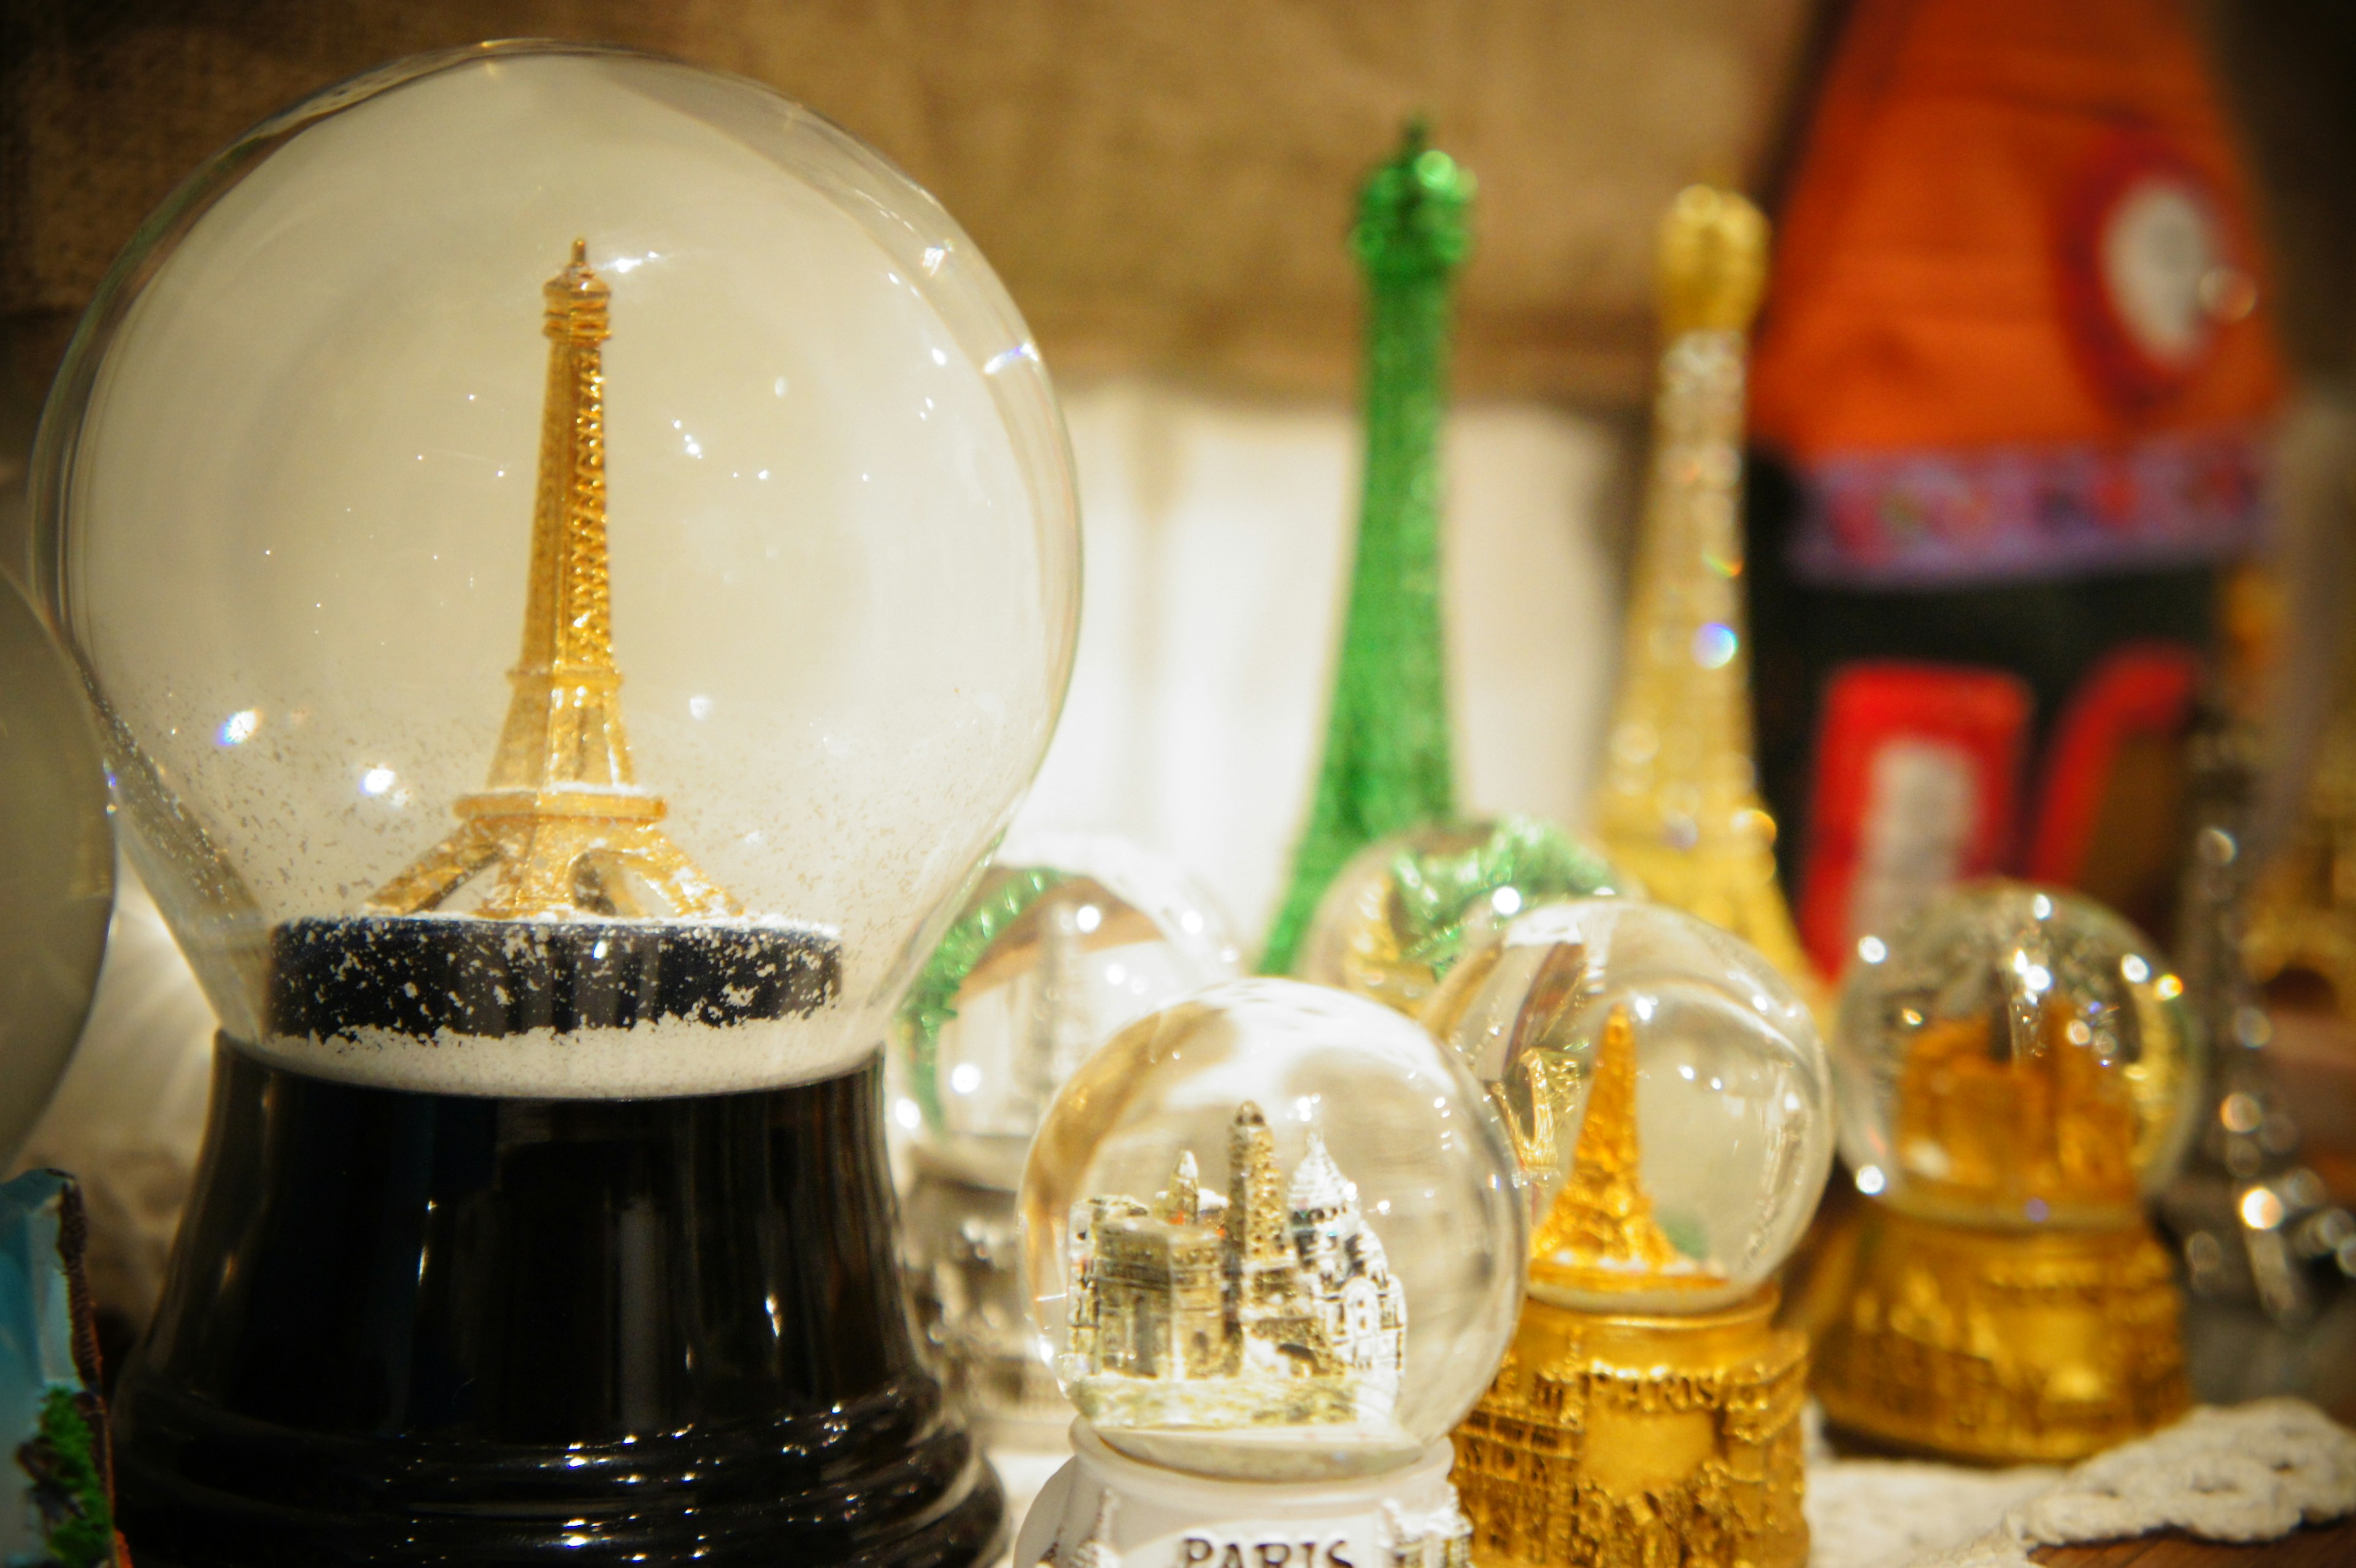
[[1166, 1519]]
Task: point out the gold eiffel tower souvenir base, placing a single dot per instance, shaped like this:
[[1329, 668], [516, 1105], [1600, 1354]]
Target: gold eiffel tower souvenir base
[[1628, 1441], [592, 917], [2000, 1347]]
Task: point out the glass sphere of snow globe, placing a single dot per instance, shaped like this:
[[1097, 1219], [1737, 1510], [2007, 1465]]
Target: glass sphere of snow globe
[[1065, 938], [1395, 918], [1668, 1099], [712, 401], [2014, 1056], [1272, 1230]]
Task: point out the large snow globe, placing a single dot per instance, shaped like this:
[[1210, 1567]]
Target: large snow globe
[[577, 557]]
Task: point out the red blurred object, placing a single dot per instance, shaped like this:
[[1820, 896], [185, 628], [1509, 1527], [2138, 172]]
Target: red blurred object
[[2127, 718], [1916, 787]]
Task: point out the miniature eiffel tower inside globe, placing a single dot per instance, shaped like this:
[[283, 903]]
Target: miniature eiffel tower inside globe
[[583, 885], [1600, 1233], [544, 1208], [563, 822]]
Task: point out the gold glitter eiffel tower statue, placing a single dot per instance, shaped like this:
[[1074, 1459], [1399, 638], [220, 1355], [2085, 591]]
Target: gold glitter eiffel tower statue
[[562, 820], [1680, 807]]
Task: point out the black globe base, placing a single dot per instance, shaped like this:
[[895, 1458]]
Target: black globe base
[[412, 1328]]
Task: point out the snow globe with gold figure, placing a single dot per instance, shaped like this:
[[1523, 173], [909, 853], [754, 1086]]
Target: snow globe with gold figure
[[1275, 1245], [1400, 912], [1065, 938], [1671, 1110], [2018, 1074], [576, 560]]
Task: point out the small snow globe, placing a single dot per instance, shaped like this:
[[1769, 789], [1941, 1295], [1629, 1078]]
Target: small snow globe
[[2018, 1071], [1273, 1233], [2016, 1056], [1402, 909], [1066, 937], [1668, 1099], [1670, 1107]]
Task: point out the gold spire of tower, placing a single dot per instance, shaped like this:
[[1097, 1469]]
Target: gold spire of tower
[[1603, 1218], [1680, 808], [1601, 1233], [562, 817]]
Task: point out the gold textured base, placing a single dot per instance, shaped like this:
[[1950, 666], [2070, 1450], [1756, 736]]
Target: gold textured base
[[1640, 1442], [2002, 1345]]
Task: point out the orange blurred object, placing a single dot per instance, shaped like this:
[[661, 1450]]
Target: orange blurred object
[[1931, 284]]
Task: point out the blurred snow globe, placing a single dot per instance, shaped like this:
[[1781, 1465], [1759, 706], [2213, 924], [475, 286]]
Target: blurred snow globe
[[1066, 937], [1273, 1232], [719, 408], [1667, 1094], [2016, 1056], [1395, 918]]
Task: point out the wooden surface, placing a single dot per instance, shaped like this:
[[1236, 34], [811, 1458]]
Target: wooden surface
[[2317, 1546]]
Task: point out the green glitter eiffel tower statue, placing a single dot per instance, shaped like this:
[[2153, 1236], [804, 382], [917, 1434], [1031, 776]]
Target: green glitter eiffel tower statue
[[1386, 764]]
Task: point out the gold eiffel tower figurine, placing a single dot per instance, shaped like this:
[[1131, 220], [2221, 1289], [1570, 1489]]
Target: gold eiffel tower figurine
[[1601, 1235], [1680, 807], [563, 818]]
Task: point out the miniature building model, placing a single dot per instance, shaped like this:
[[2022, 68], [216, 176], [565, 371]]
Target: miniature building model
[[1986, 1117], [1268, 1306]]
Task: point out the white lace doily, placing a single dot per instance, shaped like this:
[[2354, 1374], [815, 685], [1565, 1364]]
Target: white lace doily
[[1888, 1513], [2255, 1472]]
